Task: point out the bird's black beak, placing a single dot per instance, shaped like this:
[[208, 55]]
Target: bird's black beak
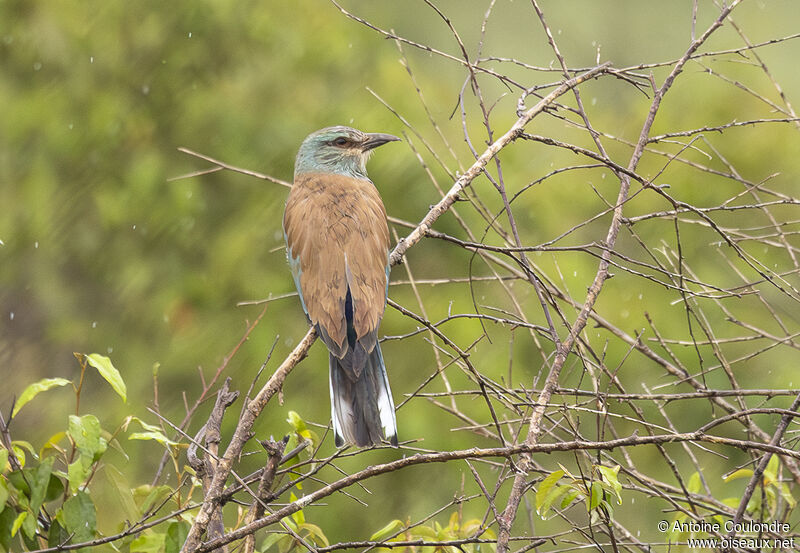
[[376, 139]]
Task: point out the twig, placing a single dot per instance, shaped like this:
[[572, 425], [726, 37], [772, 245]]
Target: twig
[[476, 453], [219, 165], [551, 382], [274, 456], [762, 465]]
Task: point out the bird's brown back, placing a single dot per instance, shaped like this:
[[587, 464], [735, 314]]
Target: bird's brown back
[[336, 226]]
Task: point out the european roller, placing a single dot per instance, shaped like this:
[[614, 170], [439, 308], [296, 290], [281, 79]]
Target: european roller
[[338, 249]]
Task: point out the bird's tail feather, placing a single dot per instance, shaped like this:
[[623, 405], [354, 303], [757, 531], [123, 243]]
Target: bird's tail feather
[[362, 408]]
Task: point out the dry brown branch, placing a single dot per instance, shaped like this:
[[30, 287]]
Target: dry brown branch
[[210, 433], [241, 436], [762, 464], [551, 383], [475, 453], [274, 455]]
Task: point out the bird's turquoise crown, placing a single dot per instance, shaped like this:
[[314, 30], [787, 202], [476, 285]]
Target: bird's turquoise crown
[[340, 150]]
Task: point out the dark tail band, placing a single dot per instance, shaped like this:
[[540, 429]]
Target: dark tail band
[[361, 404]]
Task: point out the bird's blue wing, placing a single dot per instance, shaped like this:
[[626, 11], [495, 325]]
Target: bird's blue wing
[[294, 266], [388, 270]]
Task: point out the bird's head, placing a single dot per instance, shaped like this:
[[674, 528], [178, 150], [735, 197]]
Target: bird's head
[[341, 150]]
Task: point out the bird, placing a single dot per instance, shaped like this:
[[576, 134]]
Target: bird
[[337, 246]]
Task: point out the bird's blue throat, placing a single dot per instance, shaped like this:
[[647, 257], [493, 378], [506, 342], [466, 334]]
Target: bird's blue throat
[[315, 158]]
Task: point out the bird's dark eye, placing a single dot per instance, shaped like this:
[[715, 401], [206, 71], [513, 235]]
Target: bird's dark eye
[[341, 141]]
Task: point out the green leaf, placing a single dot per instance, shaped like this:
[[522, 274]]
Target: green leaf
[[315, 533], [79, 517], [270, 540], [741, 473], [286, 544], [44, 489], [176, 536], [153, 496], [40, 481], [109, 372], [545, 487], [19, 453], [299, 425], [294, 460], [29, 530], [471, 528], [423, 532], [19, 480], [597, 495], [387, 530], [296, 421], [115, 444], [32, 390], [609, 473], [771, 472], [754, 506], [86, 434], [155, 436], [552, 497], [85, 431], [18, 523], [19, 447], [3, 493], [453, 522], [732, 502], [569, 497], [4, 464], [6, 520], [77, 473], [57, 535], [289, 523], [149, 542], [55, 488], [52, 443], [694, 483], [297, 516], [124, 492], [609, 476], [609, 490], [146, 426], [787, 495], [772, 499], [607, 508]]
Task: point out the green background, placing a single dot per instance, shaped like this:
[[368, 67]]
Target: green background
[[103, 253]]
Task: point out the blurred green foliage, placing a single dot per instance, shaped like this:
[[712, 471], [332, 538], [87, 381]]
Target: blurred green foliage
[[101, 251]]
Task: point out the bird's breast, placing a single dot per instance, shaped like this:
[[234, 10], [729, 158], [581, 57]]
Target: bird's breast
[[340, 205]]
